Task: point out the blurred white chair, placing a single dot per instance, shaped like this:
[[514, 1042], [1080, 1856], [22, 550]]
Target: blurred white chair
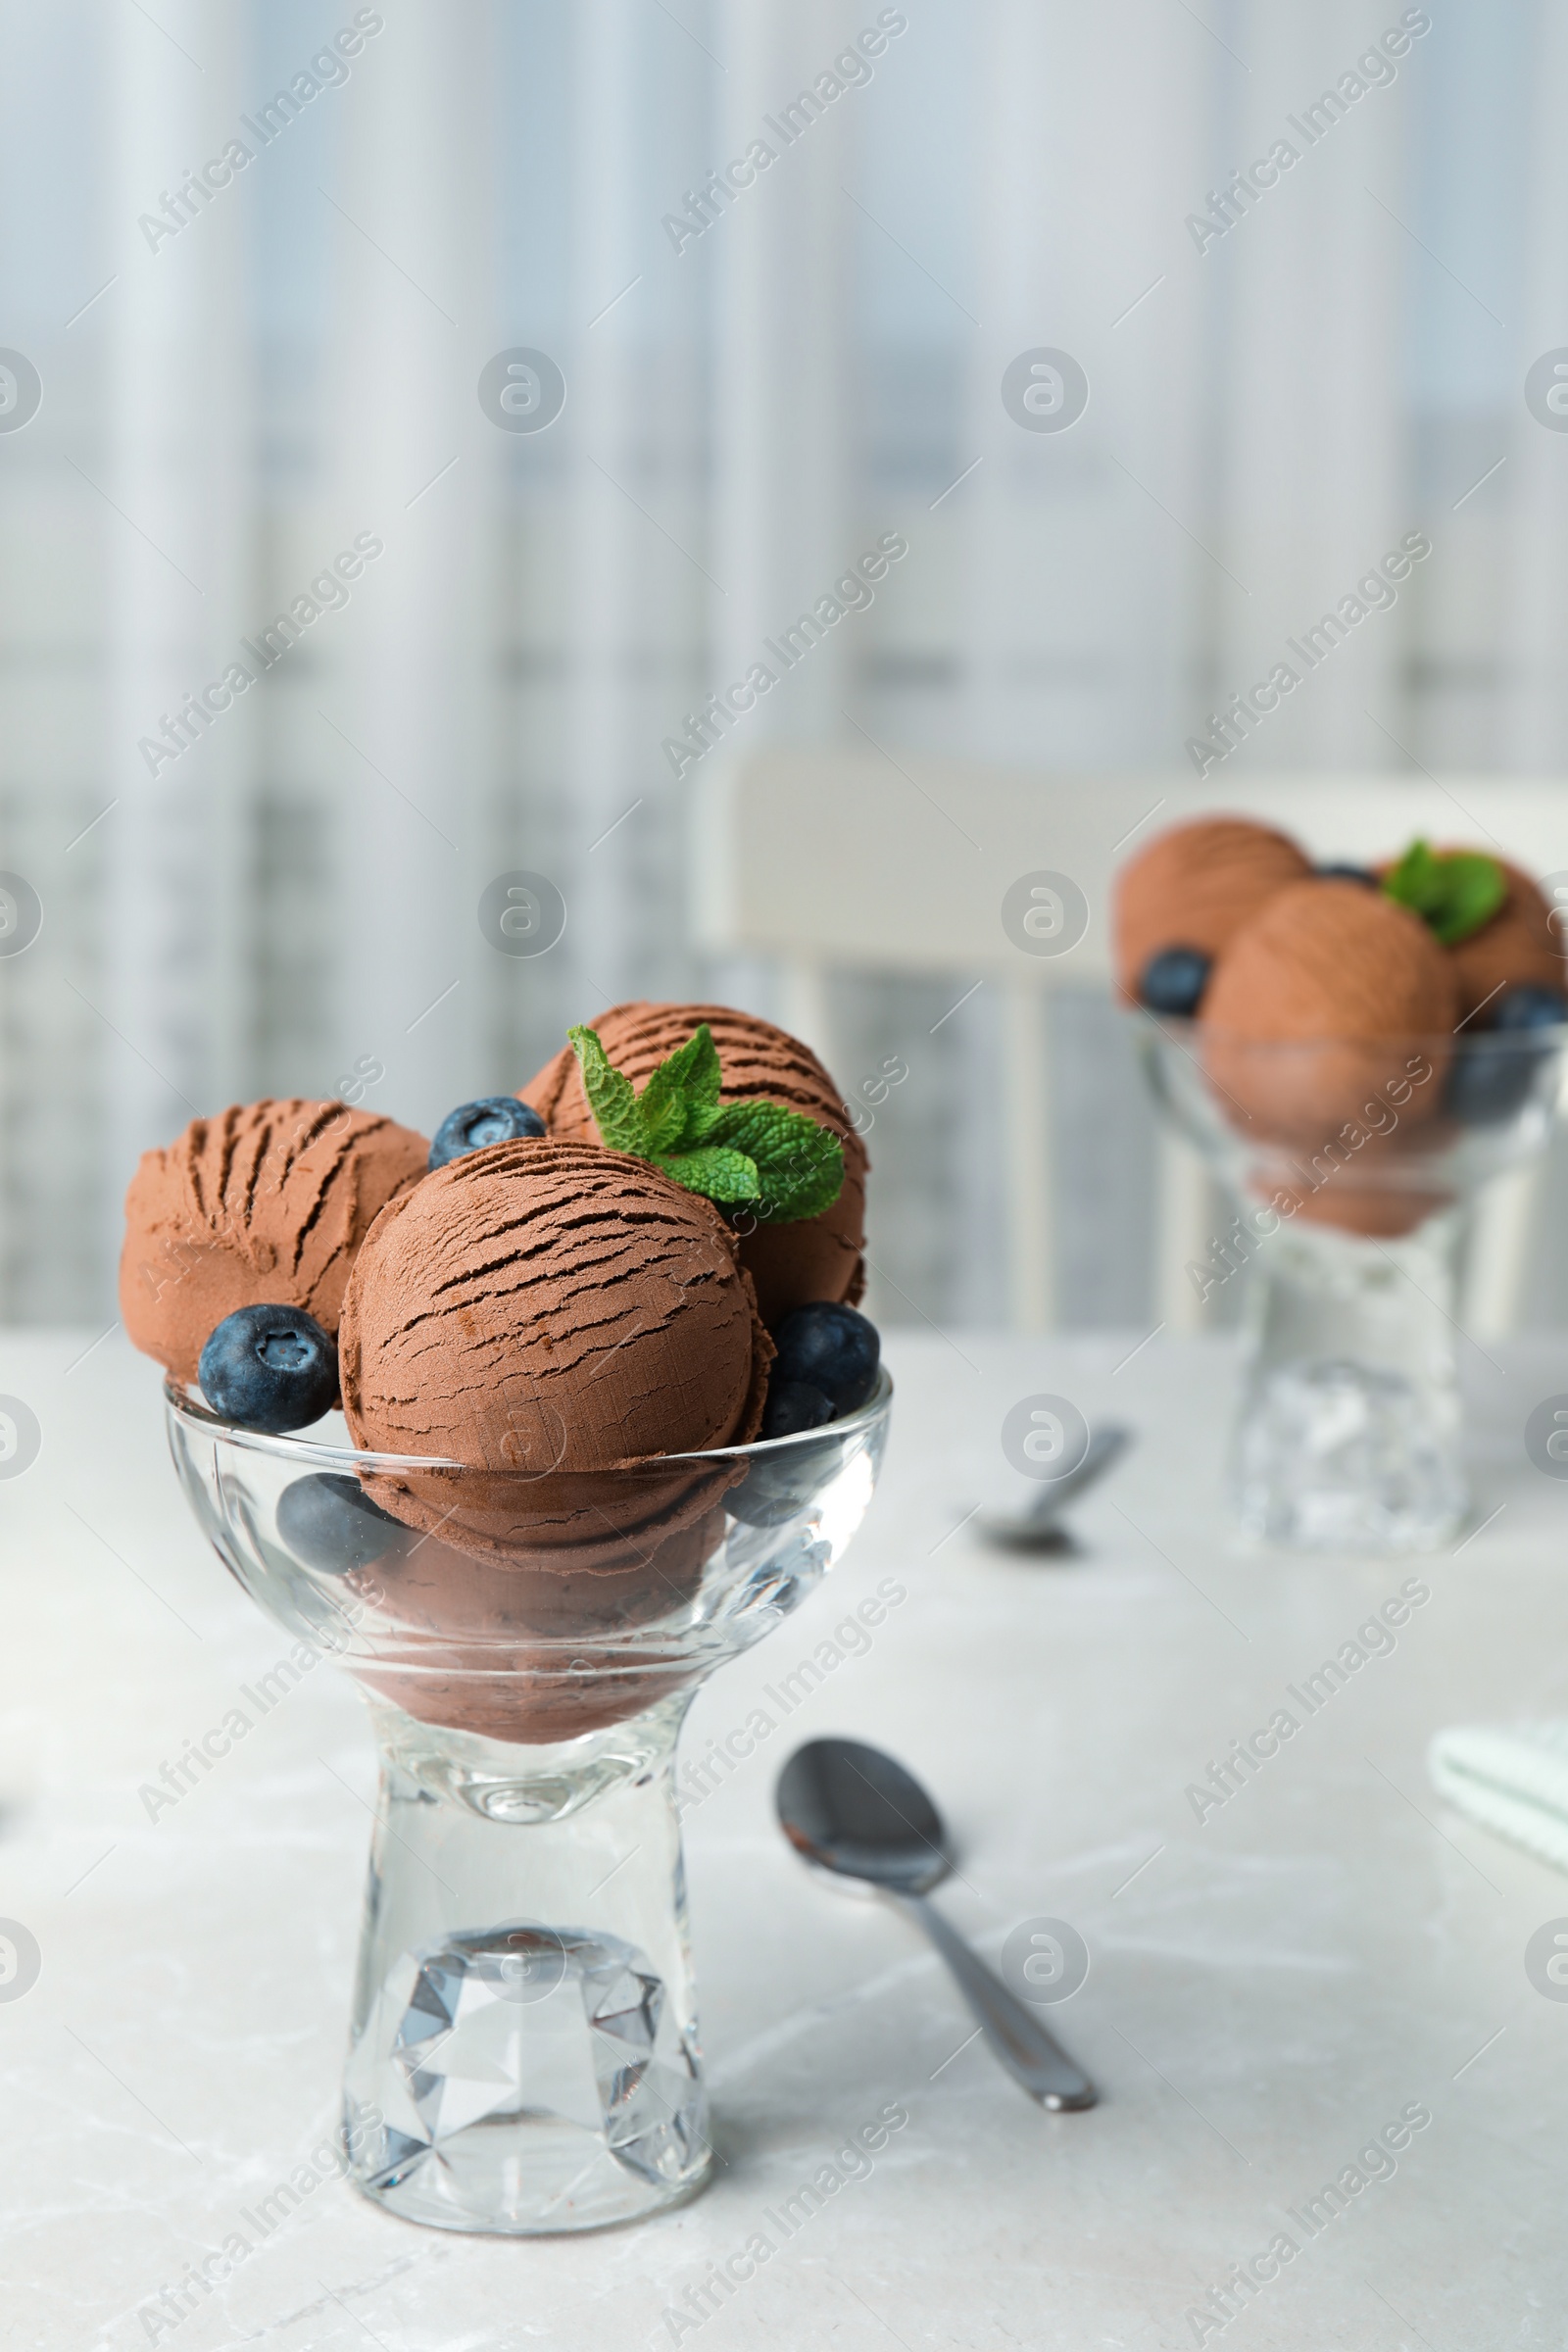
[[845, 861]]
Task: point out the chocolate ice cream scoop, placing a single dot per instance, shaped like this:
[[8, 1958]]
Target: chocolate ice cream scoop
[[555, 1317], [1196, 887], [264, 1204], [535, 1648], [1330, 1002], [1516, 949], [791, 1264], [543, 1305]]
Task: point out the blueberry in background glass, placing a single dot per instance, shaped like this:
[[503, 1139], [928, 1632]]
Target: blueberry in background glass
[[1347, 873], [1529, 1007], [830, 1349], [1489, 1082], [269, 1367], [329, 1522], [1173, 981], [492, 1120]]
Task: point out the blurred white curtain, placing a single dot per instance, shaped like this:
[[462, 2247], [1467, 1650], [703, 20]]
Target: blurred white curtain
[[1080, 590], [788, 515], [622, 474], [1536, 601], [296, 894], [171, 478], [1310, 440], [396, 715]]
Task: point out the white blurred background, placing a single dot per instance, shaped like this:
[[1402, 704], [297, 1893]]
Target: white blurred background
[[291, 902]]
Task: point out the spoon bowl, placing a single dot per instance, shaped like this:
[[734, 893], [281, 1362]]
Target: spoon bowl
[[856, 1813], [1039, 1527]]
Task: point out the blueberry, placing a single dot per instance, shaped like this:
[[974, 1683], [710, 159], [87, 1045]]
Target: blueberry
[[1349, 873], [269, 1367], [774, 1491], [793, 1405], [1490, 1080], [493, 1119], [1529, 1007], [331, 1523], [1487, 1082], [1174, 980], [832, 1349]]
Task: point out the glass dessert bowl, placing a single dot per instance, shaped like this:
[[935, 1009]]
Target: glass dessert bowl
[[523, 2054], [1350, 1166]]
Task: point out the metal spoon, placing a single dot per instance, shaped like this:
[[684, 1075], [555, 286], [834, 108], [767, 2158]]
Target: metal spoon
[[1037, 1528], [853, 1810]]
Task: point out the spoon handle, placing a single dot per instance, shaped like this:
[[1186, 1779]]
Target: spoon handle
[[1031, 2055]]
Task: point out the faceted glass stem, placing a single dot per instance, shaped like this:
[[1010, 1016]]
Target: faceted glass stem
[[1347, 1435], [523, 2053]]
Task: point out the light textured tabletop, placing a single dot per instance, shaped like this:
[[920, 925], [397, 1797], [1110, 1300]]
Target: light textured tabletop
[[1270, 1986]]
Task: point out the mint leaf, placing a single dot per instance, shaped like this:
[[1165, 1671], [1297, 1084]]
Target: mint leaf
[[730, 1151], [1413, 882], [611, 1097], [1453, 895], [680, 1101], [800, 1165], [720, 1174], [1476, 888]]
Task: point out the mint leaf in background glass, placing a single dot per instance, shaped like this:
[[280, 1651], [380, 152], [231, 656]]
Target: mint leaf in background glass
[[1476, 887], [1453, 894], [1413, 881]]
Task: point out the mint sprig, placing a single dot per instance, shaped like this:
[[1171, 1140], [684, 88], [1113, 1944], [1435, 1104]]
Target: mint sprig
[[748, 1154], [1453, 895]]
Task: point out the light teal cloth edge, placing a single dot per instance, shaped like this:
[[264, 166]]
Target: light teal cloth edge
[[1513, 1781]]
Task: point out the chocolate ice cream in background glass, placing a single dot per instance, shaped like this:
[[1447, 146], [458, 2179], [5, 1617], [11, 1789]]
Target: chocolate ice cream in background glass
[[546, 1514], [1357, 1052]]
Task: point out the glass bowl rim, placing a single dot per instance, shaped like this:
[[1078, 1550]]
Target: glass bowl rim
[[306, 1453], [1183, 1030]]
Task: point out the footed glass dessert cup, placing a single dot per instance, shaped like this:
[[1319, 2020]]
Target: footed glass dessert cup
[[1351, 1168], [523, 2053]]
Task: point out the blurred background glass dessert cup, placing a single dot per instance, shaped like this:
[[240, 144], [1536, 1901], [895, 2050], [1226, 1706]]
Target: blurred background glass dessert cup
[[1355, 1051], [1348, 1171]]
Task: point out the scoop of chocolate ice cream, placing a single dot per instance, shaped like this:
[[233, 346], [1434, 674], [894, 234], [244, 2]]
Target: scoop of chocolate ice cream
[[1332, 1001], [1517, 947], [526, 1697], [1196, 887], [557, 1318], [543, 1306], [1378, 1182], [791, 1264], [265, 1204], [535, 1651]]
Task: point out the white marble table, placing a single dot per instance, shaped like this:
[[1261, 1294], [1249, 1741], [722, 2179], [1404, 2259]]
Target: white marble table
[[1269, 1988]]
